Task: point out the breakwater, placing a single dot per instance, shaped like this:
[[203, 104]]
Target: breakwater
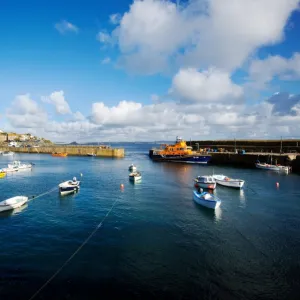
[[275, 146], [248, 160], [70, 150]]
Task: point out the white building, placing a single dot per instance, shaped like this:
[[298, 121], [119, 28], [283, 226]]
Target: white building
[[24, 138]]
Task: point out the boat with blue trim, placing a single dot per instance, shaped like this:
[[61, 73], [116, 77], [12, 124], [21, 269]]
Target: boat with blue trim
[[69, 187], [179, 152]]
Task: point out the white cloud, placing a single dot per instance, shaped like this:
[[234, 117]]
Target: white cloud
[[65, 26], [263, 71], [212, 85], [115, 18], [78, 116], [26, 113], [58, 100], [105, 61], [200, 33]]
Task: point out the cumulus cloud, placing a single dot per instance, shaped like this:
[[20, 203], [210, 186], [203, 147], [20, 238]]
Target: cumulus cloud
[[65, 27], [211, 85], [57, 98], [263, 71], [154, 33], [78, 116], [26, 113], [285, 104]]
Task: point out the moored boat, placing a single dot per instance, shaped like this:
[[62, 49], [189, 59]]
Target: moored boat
[[17, 166], [132, 168], [206, 199], [59, 154], [8, 153], [91, 154], [135, 176], [179, 152], [277, 168], [13, 203], [205, 182], [229, 182], [69, 187]]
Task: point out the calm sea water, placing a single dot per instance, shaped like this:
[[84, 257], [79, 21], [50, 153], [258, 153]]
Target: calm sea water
[[156, 242]]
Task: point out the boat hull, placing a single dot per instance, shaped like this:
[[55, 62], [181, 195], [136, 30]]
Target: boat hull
[[212, 204], [135, 178], [59, 154], [273, 168], [208, 185], [229, 182], [237, 184], [13, 204], [67, 188], [192, 159]]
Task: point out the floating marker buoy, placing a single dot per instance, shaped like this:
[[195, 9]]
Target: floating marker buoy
[[122, 186], [277, 184], [81, 174]]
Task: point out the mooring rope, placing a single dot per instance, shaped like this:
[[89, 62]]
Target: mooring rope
[[74, 253], [43, 194]]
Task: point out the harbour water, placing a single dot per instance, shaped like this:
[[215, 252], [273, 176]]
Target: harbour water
[[156, 242]]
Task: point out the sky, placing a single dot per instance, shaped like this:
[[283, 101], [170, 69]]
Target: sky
[[124, 70]]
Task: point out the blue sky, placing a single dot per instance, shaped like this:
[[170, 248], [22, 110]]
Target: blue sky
[[152, 74]]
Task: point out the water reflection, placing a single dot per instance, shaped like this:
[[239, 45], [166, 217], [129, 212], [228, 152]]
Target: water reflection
[[66, 202], [180, 172], [16, 211], [212, 214], [242, 197]]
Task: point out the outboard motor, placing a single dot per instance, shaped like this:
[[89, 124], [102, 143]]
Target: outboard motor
[[74, 179]]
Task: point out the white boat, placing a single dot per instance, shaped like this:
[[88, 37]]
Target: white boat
[[17, 166], [206, 199], [69, 187], [230, 182], [132, 168], [91, 154], [205, 182], [8, 153], [135, 176], [277, 168], [13, 203]]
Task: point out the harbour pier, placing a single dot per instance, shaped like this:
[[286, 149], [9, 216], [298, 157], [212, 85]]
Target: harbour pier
[[71, 150]]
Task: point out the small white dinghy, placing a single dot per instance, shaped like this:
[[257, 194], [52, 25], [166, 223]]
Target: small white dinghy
[[206, 199], [132, 168], [229, 182], [17, 166], [13, 203], [91, 154], [135, 176], [205, 182], [69, 187], [8, 153]]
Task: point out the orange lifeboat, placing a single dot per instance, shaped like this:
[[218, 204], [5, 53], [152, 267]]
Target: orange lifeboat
[[59, 154]]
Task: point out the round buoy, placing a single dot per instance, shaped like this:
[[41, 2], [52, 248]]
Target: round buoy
[[81, 174], [277, 184], [122, 186]]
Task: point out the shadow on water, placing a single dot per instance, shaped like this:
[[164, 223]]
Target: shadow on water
[[16, 211]]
